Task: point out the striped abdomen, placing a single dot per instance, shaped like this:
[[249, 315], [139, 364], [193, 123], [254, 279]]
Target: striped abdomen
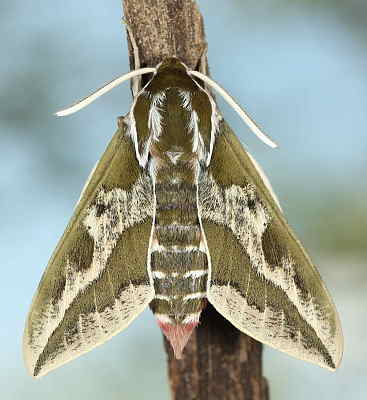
[[178, 259]]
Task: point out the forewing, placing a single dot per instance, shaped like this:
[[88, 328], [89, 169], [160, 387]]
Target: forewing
[[261, 278], [97, 280]]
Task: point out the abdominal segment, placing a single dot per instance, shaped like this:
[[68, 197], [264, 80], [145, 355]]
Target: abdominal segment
[[178, 261]]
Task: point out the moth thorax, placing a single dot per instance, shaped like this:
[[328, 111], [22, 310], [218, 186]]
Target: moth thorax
[[172, 123]]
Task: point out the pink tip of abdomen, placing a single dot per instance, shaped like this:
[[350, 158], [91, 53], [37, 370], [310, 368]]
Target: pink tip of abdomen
[[178, 335]]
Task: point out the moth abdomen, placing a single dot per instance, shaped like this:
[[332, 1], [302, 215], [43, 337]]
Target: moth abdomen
[[183, 236], [178, 259]]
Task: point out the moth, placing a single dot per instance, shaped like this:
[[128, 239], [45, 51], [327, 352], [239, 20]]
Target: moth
[[177, 214]]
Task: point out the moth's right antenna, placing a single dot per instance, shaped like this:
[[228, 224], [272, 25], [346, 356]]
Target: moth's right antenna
[[106, 88]]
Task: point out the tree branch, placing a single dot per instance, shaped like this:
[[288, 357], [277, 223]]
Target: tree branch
[[163, 28], [219, 362]]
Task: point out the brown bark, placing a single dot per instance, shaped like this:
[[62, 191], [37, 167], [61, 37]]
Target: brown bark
[[163, 28], [219, 362]]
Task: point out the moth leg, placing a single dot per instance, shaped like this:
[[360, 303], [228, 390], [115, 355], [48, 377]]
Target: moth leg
[[203, 62], [136, 81], [203, 65]]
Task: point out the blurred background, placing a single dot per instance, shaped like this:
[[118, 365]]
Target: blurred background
[[299, 67]]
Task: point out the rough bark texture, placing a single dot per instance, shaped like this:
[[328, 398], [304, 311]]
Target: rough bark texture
[[163, 28], [219, 362]]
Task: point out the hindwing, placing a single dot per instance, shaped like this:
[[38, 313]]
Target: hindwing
[[261, 279], [97, 280]]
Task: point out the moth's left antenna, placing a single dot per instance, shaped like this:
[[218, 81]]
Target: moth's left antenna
[[233, 103], [104, 89]]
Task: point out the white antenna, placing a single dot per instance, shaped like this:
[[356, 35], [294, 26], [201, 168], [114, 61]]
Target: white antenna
[[106, 88], [241, 112]]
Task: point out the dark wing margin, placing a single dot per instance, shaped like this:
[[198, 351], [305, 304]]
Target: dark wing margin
[[261, 278], [97, 280]]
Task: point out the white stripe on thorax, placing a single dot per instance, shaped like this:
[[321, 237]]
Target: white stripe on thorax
[[155, 117], [186, 99]]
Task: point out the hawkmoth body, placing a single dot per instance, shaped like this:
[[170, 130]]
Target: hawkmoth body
[[171, 120]]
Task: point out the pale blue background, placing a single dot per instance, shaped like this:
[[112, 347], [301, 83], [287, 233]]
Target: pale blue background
[[299, 67]]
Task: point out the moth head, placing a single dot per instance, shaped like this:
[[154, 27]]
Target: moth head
[[171, 64]]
